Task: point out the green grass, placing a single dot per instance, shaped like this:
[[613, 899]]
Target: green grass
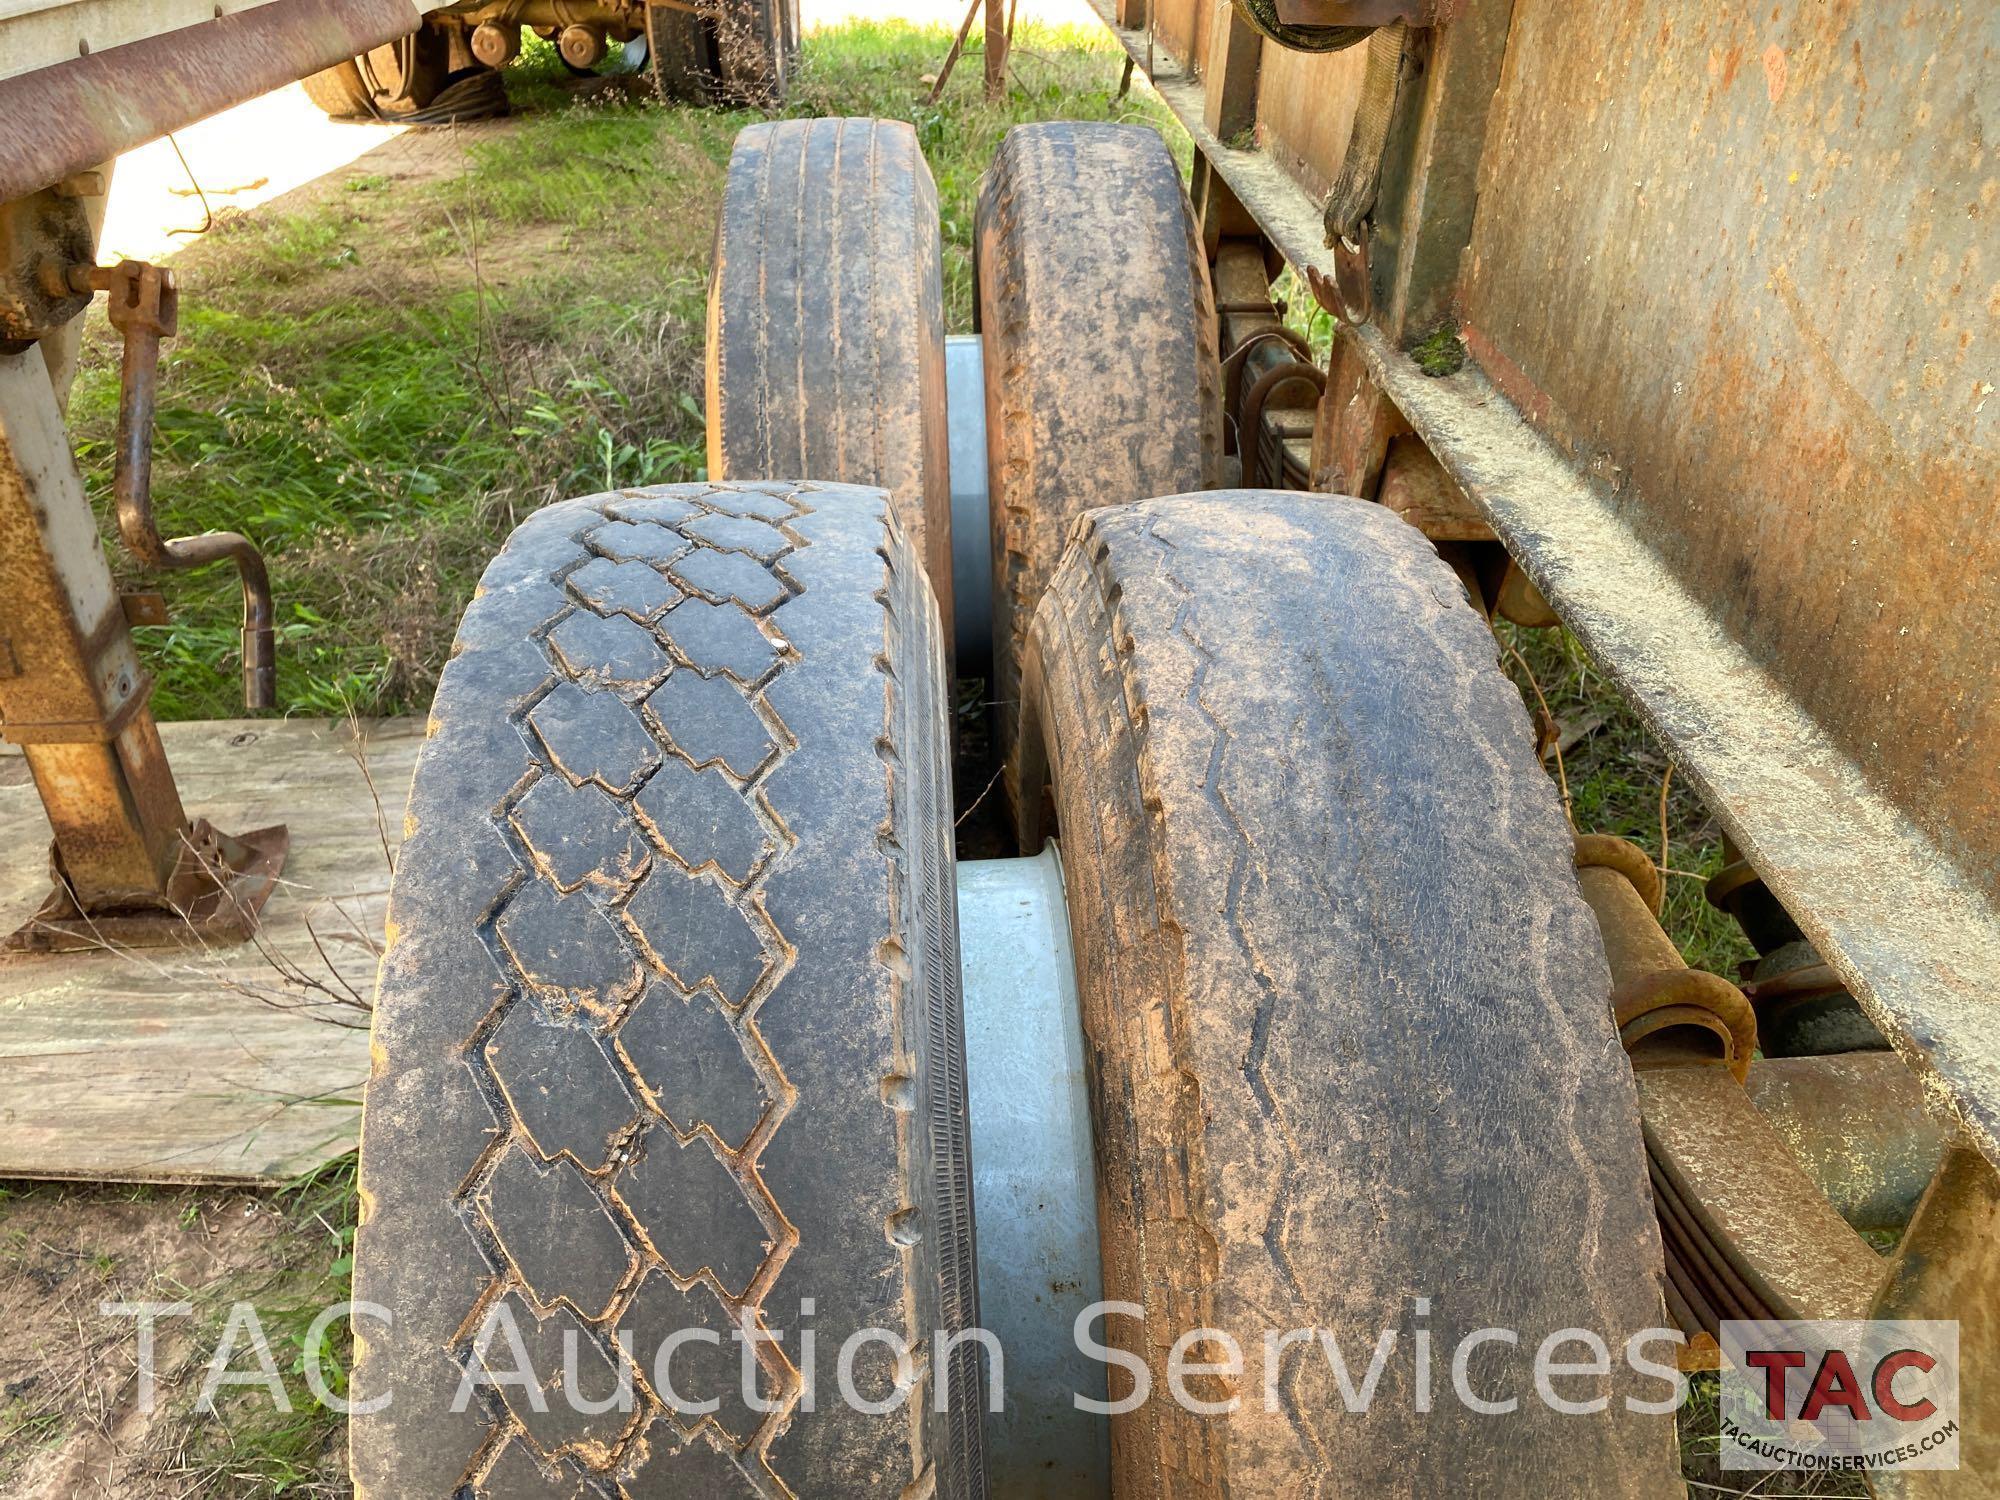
[[1614, 770], [377, 386], [250, 1445], [1701, 1448]]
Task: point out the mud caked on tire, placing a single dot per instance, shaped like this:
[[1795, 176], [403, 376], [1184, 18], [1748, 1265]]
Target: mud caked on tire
[[1345, 1009], [1102, 382], [826, 320], [668, 1031]]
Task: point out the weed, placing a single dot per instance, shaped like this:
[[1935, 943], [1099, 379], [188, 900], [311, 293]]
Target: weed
[[1439, 352], [249, 1440], [1615, 768], [1700, 1440]]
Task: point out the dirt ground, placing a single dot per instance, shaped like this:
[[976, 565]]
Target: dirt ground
[[72, 1423]]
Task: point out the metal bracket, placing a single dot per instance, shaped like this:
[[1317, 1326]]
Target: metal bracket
[[130, 868], [219, 884]]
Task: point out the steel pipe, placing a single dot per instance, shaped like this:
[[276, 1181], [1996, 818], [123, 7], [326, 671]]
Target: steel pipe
[[1666, 1012], [144, 307], [66, 119]]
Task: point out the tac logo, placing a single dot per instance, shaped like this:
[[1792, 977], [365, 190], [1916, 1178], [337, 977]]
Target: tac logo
[[1850, 1395]]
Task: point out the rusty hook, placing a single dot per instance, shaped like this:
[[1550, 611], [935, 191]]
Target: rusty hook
[[144, 305]]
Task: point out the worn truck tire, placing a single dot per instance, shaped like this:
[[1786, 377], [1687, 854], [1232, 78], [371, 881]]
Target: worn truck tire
[[756, 46], [669, 1028], [401, 79], [681, 54], [826, 320], [338, 92], [1102, 383], [1345, 1010]]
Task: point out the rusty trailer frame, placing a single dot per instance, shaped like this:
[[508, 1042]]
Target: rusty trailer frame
[[1724, 279]]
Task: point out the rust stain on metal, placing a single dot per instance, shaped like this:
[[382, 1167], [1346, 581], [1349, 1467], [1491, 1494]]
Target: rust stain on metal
[[1513, 381], [1857, 1124], [1786, 277], [62, 120], [1755, 1234], [1776, 71]]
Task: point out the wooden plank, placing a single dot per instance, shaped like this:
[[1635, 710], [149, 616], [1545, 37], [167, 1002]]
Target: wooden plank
[[186, 1065]]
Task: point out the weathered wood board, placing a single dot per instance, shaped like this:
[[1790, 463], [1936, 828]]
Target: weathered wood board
[[194, 1065]]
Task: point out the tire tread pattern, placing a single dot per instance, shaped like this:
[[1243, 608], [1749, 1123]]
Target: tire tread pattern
[[1345, 1011], [826, 320], [575, 970], [1103, 384]]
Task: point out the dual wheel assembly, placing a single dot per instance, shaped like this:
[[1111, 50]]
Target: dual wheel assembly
[[1286, 1025]]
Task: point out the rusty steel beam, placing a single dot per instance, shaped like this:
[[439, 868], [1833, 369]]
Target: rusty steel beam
[[1948, 1267], [71, 689], [69, 118], [130, 868]]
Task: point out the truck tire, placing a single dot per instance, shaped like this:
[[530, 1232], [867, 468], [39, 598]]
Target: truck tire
[[681, 53], [756, 45], [1102, 383], [391, 82], [1346, 1011], [741, 52], [826, 320], [669, 1029]]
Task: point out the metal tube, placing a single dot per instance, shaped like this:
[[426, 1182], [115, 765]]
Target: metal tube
[[1666, 1012], [1634, 943], [66, 119], [143, 305]]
